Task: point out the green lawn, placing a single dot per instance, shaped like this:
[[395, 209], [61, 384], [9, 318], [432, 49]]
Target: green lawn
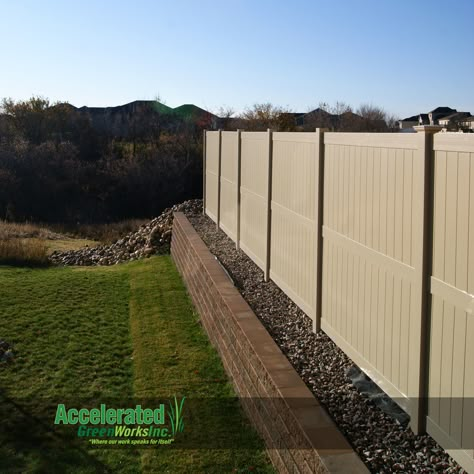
[[117, 335]]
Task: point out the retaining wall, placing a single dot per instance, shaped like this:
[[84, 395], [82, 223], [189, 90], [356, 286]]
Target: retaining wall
[[299, 434]]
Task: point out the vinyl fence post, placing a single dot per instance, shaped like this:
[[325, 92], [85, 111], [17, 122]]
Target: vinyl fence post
[[239, 156], [319, 196], [219, 182], [204, 134], [269, 206], [423, 265]]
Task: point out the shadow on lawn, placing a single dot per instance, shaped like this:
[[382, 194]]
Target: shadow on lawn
[[28, 443]]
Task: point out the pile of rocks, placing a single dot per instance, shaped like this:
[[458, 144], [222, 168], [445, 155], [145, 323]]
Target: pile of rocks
[[150, 239]]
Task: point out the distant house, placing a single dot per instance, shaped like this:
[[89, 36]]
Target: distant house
[[468, 123], [141, 116], [446, 117], [409, 122], [193, 113], [439, 113], [316, 118], [423, 119], [346, 121], [453, 119]]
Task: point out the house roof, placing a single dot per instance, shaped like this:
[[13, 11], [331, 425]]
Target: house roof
[[448, 117], [442, 110], [413, 118], [294, 114], [350, 114], [319, 111], [314, 116], [191, 110], [456, 115]]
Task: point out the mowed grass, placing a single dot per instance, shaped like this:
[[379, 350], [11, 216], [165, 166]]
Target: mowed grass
[[85, 336], [71, 340]]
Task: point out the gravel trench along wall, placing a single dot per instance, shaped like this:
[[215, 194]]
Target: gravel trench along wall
[[299, 434]]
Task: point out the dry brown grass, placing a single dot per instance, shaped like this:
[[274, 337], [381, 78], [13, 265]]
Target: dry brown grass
[[105, 233], [68, 244], [23, 252], [14, 230], [68, 236]]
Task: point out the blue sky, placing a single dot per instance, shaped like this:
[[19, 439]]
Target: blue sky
[[405, 56]]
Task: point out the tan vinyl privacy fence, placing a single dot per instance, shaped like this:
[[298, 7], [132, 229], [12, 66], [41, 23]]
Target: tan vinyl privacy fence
[[372, 255], [372, 236], [451, 359]]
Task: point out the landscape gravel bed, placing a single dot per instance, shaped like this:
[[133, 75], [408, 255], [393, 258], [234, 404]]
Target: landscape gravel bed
[[382, 442]]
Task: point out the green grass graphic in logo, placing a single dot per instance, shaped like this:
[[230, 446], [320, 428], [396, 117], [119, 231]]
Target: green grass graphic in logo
[[176, 416]]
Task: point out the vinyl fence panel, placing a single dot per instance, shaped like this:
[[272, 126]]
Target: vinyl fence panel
[[212, 174], [294, 223], [255, 154], [451, 375], [228, 178], [372, 230]]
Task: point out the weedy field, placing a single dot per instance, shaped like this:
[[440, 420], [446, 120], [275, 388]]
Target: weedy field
[[30, 244], [113, 335]]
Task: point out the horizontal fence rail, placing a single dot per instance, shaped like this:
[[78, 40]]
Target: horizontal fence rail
[[372, 236]]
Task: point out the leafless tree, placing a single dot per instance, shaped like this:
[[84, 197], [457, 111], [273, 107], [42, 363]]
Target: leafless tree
[[226, 117], [267, 115], [375, 119]]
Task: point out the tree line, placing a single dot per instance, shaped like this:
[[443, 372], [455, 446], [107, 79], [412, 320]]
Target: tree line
[[340, 117], [57, 165], [63, 164]]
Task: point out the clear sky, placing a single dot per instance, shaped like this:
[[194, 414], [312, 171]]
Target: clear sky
[[407, 56]]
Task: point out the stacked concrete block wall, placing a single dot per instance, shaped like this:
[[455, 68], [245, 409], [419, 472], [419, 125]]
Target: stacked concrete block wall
[[299, 435]]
